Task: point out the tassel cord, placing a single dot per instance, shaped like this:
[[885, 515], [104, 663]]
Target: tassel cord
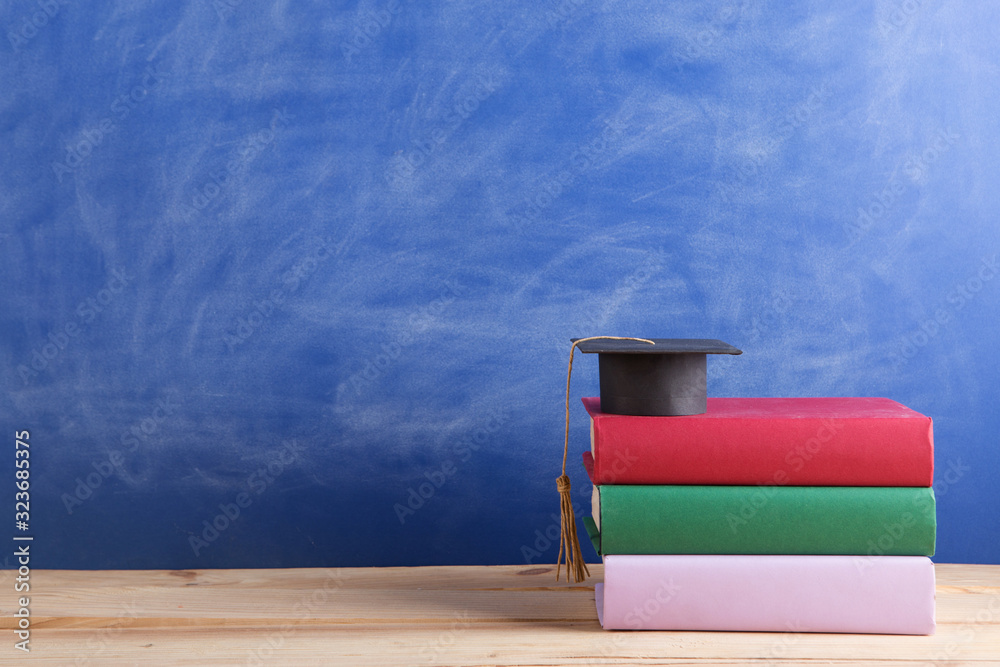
[[569, 542]]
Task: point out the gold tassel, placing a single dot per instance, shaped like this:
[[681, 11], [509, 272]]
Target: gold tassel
[[569, 542], [575, 567]]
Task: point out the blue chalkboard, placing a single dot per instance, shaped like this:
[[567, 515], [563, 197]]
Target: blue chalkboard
[[292, 284]]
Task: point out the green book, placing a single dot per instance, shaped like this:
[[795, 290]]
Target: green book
[[843, 520]]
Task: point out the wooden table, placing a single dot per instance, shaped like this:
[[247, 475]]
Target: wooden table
[[505, 615]]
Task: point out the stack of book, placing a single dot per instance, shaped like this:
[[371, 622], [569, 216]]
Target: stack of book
[[769, 514]]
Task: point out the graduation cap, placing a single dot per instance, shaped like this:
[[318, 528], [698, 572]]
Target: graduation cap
[[639, 376], [654, 376]]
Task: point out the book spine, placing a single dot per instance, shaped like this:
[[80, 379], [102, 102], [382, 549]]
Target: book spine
[[889, 595], [872, 521]]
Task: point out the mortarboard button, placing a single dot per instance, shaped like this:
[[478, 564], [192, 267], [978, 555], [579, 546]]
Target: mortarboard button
[[668, 377]]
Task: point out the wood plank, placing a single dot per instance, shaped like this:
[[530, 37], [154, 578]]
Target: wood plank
[[502, 615]]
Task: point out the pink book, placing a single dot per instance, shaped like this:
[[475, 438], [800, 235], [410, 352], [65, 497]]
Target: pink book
[[856, 594]]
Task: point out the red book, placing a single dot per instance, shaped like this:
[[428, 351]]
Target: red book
[[772, 441]]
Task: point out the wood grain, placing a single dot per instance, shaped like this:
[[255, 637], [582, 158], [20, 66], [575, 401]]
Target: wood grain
[[503, 615]]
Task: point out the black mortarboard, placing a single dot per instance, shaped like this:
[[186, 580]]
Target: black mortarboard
[[668, 377]]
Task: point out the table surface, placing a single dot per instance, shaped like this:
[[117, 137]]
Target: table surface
[[502, 615]]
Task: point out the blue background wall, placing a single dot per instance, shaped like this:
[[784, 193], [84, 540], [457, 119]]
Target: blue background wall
[[298, 260]]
